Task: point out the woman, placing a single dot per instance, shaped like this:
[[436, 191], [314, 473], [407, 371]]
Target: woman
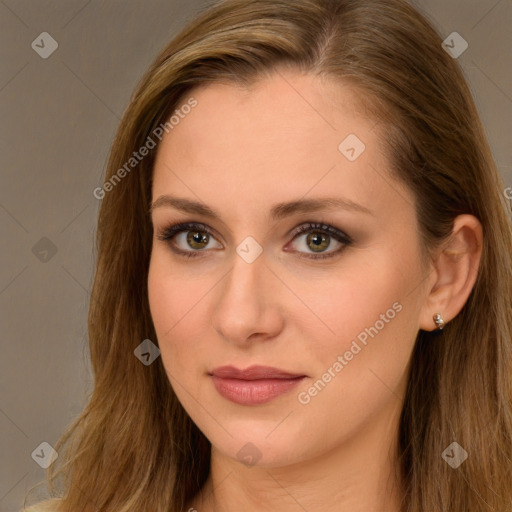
[[302, 292]]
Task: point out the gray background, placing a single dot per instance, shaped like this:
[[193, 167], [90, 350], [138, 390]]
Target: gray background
[[58, 117]]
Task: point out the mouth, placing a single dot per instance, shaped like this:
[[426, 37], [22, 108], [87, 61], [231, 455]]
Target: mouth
[[254, 385], [255, 372]]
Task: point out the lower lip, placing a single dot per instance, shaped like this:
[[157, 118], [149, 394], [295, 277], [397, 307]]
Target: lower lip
[[253, 392]]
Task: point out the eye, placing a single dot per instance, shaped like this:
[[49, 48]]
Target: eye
[[317, 238], [195, 237]]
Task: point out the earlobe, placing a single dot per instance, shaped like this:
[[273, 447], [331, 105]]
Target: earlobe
[[456, 267]]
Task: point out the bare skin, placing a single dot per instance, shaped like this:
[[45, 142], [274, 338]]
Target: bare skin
[[240, 152]]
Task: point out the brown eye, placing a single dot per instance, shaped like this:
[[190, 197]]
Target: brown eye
[[197, 240], [316, 242], [316, 238], [187, 239]]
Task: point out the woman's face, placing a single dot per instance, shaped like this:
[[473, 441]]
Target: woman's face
[[254, 295]]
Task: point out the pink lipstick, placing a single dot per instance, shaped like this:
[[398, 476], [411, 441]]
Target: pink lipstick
[[254, 385]]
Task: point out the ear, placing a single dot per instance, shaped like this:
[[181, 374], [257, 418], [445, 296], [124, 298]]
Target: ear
[[455, 271]]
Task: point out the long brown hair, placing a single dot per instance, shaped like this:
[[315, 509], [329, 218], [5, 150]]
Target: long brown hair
[[134, 447]]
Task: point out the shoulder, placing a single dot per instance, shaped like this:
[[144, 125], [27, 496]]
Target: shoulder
[[43, 506]]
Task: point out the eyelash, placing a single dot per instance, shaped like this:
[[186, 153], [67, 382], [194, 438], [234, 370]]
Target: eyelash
[[167, 234]]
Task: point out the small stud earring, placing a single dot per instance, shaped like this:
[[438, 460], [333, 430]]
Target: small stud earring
[[438, 319]]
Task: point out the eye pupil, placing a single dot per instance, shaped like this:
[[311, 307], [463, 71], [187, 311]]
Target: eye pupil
[[318, 240], [195, 237]]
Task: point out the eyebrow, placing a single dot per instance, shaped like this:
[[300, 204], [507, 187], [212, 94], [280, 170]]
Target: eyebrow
[[277, 212]]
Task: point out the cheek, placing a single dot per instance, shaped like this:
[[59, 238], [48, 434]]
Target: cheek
[[342, 304], [172, 296], [367, 314], [362, 367], [177, 305], [161, 298]]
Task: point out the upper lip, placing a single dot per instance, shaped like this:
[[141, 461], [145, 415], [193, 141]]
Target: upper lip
[[253, 373]]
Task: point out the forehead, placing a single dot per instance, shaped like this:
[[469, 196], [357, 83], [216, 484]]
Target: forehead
[[286, 103], [277, 138], [282, 99]]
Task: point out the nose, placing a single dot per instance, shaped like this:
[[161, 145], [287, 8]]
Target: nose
[[247, 303]]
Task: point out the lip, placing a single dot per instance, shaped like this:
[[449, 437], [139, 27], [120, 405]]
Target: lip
[[254, 385], [255, 372]]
